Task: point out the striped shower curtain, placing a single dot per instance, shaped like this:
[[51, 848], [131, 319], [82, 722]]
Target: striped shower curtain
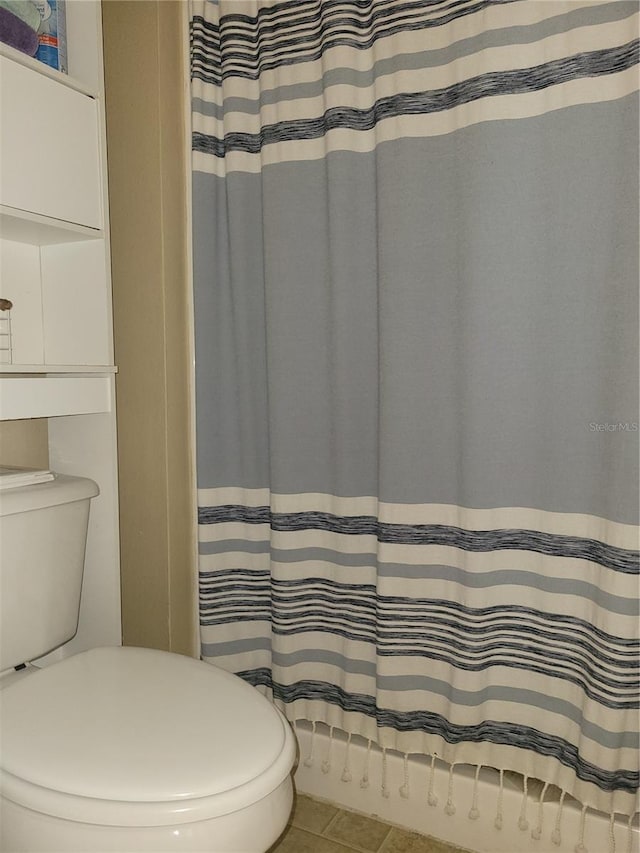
[[415, 285]]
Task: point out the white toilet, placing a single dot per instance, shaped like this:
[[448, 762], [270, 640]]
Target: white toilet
[[118, 749]]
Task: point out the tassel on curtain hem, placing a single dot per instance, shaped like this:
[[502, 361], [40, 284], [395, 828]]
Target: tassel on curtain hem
[[537, 791], [516, 748]]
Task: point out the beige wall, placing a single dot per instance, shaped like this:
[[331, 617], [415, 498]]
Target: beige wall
[[24, 443], [144, 78]]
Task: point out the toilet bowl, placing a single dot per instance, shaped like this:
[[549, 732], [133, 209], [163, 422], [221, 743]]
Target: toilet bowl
[[119, 749], [129, 749]]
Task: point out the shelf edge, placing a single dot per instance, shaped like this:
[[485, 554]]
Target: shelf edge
[[25, 226], [70, 82], [57, 369]]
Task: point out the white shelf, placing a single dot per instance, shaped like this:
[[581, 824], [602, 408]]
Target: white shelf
[[54, 369], [45, 70], [52, 396], [22, 226]]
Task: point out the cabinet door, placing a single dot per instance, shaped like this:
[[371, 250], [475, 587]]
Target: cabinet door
[[49, 148]]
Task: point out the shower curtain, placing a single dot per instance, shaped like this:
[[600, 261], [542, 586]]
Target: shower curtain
[[416, 321]]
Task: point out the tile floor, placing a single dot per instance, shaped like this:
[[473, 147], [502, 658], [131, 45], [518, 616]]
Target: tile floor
[[319, 827]]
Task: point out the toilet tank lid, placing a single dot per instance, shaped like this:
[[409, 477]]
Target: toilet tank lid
[[23, 494]]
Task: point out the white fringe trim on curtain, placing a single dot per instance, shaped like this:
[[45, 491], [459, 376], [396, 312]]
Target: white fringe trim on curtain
[[497, 804]]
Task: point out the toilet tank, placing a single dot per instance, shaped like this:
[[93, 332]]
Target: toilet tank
[[43, 534]]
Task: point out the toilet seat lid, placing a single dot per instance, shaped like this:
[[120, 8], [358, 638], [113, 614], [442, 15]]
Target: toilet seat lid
[[139, 726]]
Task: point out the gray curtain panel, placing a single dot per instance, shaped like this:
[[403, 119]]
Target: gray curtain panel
[[416, 318]]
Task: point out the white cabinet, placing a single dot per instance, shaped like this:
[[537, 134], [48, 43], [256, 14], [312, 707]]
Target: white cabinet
[[49, 147], [55, 269]]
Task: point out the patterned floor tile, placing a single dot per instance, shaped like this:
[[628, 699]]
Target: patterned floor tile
[[401, 841], [320, 827], [312, 814], [363, 833], [297, 840]]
